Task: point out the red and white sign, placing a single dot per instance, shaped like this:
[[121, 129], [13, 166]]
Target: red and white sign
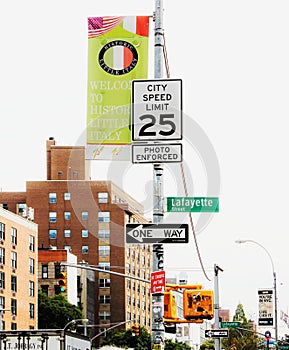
[[158, 281]]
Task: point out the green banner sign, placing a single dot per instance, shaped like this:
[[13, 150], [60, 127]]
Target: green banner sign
[[193, 204], [230, 324]]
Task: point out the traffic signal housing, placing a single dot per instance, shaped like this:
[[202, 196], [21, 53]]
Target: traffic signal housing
[[170, 305], [198, 304], [135, 330], [62, 281]]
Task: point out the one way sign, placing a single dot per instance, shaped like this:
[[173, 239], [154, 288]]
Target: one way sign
[[157, 233], [216, 333]]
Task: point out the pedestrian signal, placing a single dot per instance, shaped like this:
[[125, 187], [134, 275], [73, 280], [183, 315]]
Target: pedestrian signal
[[62, 282], [198, 304]]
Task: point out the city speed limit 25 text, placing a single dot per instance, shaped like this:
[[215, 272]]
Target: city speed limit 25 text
[[157, 110]]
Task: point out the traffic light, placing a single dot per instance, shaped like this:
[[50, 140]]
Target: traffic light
[[62, 281], [135, 330], [198, 304], [170, 305]]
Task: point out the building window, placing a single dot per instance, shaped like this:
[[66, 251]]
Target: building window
[[84, 233], [2, 280], [31, 266], [104, 282], [14, 283], [84, 249], [103, 250], [57, 270], [104, 315], [67, 233], [44, 289], [67, 196], [31, 310], [44, 272], [52, 197], [13, 260], [2, 255], [84, 215], [52, 216], [68, 248], [104, 266], [2, 302], [21, 209], [104, 330], [103, 234], [13, 326], [13, 307], [32, 243], [31, 288], [67, 215], [102, 197], [52, 234], [104, 299], [2, 231], [104, 216]]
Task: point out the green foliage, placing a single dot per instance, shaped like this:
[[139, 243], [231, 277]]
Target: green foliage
[[55, 312], [126, 339], [240, 315], [171, 345], [207, 345], [241, 339]]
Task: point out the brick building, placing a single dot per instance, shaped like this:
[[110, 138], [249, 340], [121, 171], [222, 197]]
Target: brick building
[[18, 274], [88, 218]]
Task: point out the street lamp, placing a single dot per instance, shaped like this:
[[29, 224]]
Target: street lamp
[[84, 320], [108, 329], [274, 278], [62, 337]]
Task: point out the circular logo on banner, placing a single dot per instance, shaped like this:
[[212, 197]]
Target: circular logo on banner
[[118, 57]]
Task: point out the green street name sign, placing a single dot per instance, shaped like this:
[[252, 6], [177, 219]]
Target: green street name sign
[[193, 204], [230, 324]]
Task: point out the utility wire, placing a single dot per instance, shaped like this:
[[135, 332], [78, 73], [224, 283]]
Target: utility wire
[[183, 173]]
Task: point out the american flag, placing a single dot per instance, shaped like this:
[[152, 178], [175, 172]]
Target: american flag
[[101, 25]]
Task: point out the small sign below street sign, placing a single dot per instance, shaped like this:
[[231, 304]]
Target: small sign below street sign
[[158, 282], [157, 153], [216, 333], [157, 233], [193, 204], [234, 324]]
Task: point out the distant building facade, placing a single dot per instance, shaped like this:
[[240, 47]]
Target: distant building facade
[[18, 274], [88, 219], [51, 273]]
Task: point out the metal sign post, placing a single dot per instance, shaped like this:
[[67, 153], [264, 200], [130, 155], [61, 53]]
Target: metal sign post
[[158, 330]]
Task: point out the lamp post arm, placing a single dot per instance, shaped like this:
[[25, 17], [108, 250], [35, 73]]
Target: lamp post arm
[[108, 329], [274, 285]]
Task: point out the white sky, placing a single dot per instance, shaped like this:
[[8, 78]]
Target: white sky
[[233, 59]]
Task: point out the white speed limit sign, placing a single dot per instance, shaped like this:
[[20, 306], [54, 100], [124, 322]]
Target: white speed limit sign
[[156, 110]]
